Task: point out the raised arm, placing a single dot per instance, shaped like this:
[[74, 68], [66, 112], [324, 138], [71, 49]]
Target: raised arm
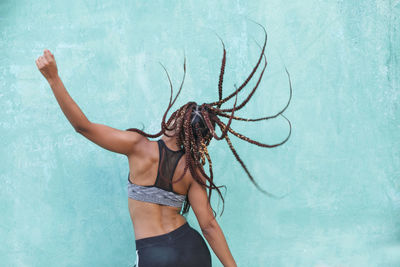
[[209, 226], [119, 141]]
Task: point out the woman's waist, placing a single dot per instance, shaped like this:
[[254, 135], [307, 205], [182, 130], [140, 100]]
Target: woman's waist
[[169, 237], [149, 226]]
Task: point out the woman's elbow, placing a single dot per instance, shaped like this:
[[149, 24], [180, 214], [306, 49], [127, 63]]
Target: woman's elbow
[[81, 128], [207, 228]]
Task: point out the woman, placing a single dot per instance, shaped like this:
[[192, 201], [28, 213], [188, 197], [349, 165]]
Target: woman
[[159, 183]]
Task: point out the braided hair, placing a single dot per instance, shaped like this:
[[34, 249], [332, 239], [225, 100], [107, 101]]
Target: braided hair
[[194, 126]]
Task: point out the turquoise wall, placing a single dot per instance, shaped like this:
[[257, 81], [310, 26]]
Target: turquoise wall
[[63, 199]]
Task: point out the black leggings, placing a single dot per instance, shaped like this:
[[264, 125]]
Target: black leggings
[[183, 247]]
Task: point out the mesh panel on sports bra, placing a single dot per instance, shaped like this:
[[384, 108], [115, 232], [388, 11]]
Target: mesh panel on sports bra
[[167, 164]]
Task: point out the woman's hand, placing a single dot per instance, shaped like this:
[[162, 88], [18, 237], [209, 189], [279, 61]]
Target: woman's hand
[[47, 65]]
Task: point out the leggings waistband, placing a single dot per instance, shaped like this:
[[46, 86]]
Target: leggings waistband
[[164, 238]]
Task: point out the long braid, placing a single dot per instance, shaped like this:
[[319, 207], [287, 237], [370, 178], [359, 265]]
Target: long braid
[[171, 103], [203, 151], [245, 168], [223, 114], [221, 74], [250, 75], [252, 91], [223, 126]]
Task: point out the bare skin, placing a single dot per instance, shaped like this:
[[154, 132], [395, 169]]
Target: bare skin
[[152, 219], [148, 219]]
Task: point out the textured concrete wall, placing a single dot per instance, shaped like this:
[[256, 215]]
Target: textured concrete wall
[[63, 199]]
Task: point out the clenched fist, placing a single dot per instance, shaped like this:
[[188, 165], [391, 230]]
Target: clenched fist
[[47, 65]]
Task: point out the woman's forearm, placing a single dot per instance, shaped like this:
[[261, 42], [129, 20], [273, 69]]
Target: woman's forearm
[[215, 237], [70, 109]]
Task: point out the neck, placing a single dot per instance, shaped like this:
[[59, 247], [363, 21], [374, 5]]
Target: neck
[[170, 142]]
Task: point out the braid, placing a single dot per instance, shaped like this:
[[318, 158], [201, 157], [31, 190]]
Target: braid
[[221, 74], [195, 125]]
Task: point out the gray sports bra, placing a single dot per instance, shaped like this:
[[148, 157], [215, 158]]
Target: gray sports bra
[[161, 192]]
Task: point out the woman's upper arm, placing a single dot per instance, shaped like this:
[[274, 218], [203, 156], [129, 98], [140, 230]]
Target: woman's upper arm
[[115, 140], [199, 201]]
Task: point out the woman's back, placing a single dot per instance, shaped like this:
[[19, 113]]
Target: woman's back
[[151, 219]]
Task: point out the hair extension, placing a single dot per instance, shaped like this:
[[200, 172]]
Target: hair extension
[[193, 135]]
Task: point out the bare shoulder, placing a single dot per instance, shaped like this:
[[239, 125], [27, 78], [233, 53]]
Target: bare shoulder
[[142, 146]]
